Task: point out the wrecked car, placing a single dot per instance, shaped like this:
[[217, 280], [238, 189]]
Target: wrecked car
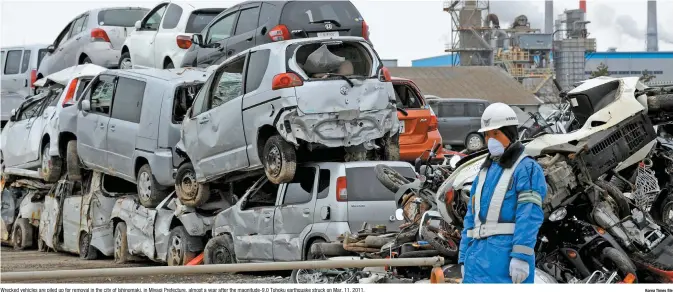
[[30, 141], [22, 203], [126, 124], [282, 222], [76, 216], [295, 98], [170, 233]]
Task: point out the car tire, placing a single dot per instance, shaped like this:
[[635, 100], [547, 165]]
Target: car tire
[[620, 261], [86, 250], [72, 161], [390, 178], [219, 250], [474, 142], [121, 247], [280, 160], [666, 211], [169, 65], [190, 192], [178, 253], [125, 61], [50, 166], [150, 192], [623, 210], [320, 248], [22, 234]]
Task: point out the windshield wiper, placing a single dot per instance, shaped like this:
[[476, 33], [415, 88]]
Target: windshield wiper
[[326, 21], [344, 77]]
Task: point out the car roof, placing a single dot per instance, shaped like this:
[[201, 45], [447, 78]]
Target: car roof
[[30, 46], [450, 99], [177, 75], [64, 76]]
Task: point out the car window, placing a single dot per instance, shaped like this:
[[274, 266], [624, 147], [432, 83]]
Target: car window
[[80, 88], [362, 184], [229, 83], [475, 109], [265, 13], [323, 183], [247, 21], [452, 109], [30, 110], [259, 61], [125, 17], [265, 196], [26, 61], [13, 62], [128, 100], [172, 17], [198, 20], [200, 101], [406, 97], [221, 29], [300, 14], [62, 35], [40, 55], [300, 189], [152, 22], [2, 58], [77, 26], [101, 94]]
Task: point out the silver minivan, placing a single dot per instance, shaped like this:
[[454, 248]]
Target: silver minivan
[[324, 200], [19, 67], [127, 123]]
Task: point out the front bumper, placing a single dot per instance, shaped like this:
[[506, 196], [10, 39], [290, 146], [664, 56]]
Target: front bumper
[[342, 129]]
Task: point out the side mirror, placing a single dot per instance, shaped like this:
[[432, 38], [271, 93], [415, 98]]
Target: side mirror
[[197, 39], [137, 24], [51, 49], [399, 214], [12, 118], [86, 105]]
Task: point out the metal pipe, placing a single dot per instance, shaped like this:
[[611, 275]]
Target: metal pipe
[[221, 268]]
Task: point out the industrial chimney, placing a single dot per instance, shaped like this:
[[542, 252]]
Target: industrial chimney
[[549, 16], [583, 5], [652, 40]]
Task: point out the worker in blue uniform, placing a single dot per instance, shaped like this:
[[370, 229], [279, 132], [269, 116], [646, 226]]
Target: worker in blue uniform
[[504, 213]]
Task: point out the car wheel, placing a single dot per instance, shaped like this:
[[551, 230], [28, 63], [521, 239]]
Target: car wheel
[[312, 276], [667, 211], [50, 167], [149, 191], [219, 250], [22, 235], [125, 61], [474, 142], [72, 161], [178, 253], [121, 248], [190, 192], [86, 250], [87, 60], [279, 159], [169, 65]]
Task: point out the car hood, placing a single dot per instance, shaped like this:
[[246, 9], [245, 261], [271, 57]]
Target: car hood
[[64, 76]]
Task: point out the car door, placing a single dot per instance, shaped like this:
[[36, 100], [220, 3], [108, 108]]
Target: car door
[[221, 140], [18, 132], [245, 30], [72, 207], [474, 112], [74, 41], [12, 80], [165, 39], [92, 125], [252, 222], [443, 121], [413, 126], [293, 218], [123, 126], [215, 40], [54, 60], [142, 40], [37, 124], [65, 47]]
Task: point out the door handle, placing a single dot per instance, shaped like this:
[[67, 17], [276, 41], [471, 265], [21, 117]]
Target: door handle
[[203, 120], [307, 211], [249, 39], [101, 125], [267, 215], [112, 128], [25, 82], [60, 49], [77, 38]]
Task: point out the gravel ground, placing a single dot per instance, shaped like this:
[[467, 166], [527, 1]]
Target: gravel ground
[[32, 260]]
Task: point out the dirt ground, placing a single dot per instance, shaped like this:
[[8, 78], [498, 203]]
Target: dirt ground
[[32, 260]]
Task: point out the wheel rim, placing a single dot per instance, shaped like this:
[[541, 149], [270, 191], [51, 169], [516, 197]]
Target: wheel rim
[[118, 245], [667, 215], [474, 143], [144, 186], [273, 161], [188, 185], [126, 64], [222, 256], [305, 276], [46, 162], [84, 245], [176, 251]]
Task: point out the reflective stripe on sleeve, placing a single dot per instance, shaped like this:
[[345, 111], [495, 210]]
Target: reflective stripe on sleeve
[[522, 249], [530, 197]]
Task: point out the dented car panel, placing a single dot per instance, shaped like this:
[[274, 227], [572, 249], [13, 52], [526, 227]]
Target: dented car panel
[[139, 223], [23, 199]]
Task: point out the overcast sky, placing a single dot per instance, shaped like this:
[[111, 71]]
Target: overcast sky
[[403, 30]]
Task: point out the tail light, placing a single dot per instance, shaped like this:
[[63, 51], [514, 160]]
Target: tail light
[[33, 77], [434, 123], [384, 75], [341, 192], [286, 80], [70, 94], [629, 279], [279, 33], [448, 199], [365, 30], [183, 41], [99, 35]]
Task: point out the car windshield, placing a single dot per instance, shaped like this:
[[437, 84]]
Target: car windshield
[[198, 20], [364, 186], [307, 14], [335, 58], [126, 17]]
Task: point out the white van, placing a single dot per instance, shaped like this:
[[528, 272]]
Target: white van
[[19, 67]]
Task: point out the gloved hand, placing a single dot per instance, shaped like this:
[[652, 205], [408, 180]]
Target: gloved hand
[[518, 270], [462, 270]]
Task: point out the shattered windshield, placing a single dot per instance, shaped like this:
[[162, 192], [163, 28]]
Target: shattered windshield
[[329, 59]]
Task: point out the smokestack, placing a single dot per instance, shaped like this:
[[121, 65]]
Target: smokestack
[[549, 16], [583, 5], [652, 40]]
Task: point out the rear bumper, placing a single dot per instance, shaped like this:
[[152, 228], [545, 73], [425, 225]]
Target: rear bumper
[[102, 54], [409, 152]]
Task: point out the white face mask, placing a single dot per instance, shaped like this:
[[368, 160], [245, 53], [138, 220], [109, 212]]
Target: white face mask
[[495, 147]]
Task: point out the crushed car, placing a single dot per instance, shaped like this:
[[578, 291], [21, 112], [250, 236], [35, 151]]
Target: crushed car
[[22, 204]]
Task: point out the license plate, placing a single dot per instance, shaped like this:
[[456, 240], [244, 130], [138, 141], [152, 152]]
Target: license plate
[[401, 127], [328, 34]]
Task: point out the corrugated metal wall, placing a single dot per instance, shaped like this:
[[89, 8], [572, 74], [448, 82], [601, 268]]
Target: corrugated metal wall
[[623, 64]]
